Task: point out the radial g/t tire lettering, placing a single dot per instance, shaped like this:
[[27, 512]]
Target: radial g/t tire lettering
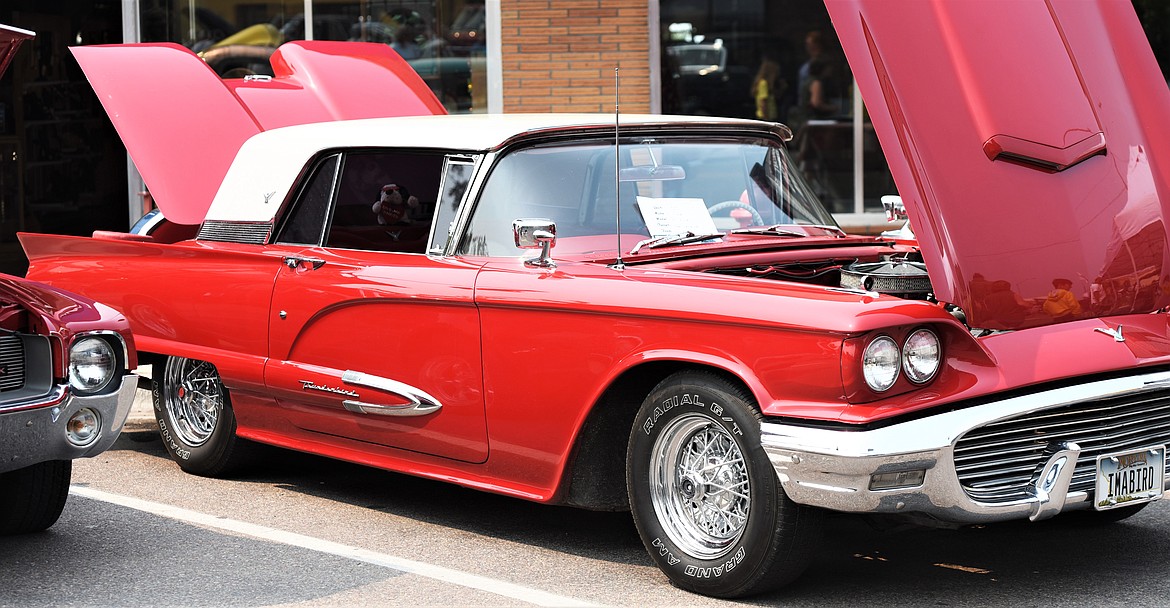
[[195, 418], [704, 496]]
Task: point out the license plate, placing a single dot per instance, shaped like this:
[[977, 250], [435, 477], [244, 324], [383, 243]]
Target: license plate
[[1130, 478]]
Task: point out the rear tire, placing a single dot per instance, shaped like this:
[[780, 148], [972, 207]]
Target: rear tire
[[32, 498], [195, 418], [704, 496]]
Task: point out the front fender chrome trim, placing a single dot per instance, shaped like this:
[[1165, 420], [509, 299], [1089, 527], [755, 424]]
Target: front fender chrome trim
[[833, 469], [1050, 486], [419, 403]]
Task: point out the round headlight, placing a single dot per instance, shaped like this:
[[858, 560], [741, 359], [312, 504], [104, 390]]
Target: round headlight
[[92, 365], [880, 363], [921, 356]]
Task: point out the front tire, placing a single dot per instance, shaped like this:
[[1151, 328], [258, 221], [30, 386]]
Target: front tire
[[195, 417], [704, 496], [1090, 517], [32, 498]]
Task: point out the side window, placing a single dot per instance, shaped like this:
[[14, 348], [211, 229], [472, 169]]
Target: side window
[[456, 178], [306, 223], [553, 182], [385, 201]]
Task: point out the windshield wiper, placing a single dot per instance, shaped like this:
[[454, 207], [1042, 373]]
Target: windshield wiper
[[677, 239], [781, 230]]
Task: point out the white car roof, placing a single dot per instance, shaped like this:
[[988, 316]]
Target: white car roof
[[268, 164]]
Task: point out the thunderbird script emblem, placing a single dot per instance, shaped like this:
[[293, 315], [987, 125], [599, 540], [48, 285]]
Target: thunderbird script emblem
[[1116, 333]]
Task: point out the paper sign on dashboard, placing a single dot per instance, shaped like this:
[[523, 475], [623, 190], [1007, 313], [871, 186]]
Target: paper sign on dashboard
[[675, 216]]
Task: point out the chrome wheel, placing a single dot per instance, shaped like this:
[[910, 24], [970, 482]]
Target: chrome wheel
[[707, 502], [194, 399], [700, 488]]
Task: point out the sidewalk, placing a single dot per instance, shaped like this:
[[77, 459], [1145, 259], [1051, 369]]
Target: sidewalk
[[142, 412]]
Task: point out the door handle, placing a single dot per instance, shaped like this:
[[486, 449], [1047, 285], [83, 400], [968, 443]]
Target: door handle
[[294, 262]]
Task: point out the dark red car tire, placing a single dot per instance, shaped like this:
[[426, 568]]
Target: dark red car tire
[[32, 498]]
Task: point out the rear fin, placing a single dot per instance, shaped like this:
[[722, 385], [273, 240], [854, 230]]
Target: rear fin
[[10, 39], [183, 125]]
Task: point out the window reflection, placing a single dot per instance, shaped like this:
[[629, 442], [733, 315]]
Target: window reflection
[[443, 40], [778, 62]]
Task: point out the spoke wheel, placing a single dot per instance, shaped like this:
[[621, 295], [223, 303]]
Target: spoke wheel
[[195, 401], [701, 490], [707, 502], [195, 417]]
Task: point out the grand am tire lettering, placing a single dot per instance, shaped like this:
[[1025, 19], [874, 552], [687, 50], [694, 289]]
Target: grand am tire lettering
[[665, 552], [172, 446], [717, 571], [164, 431], [704, 496]]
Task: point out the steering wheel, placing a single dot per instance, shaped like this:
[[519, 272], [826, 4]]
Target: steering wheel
[[757, 219]]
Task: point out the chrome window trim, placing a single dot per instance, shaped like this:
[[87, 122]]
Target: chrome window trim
[[452, 159]]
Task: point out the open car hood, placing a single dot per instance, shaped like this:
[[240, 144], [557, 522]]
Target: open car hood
[[1029, 144], [183, 125], [10, 39]]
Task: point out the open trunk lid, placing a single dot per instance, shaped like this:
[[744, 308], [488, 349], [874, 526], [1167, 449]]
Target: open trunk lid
[[183, 125]]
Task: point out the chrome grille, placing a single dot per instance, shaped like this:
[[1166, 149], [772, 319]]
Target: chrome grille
[[996, 462], [252, 233], [11, 363]]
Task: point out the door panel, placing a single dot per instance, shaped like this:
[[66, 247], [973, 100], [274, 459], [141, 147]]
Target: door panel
[[357, 336]]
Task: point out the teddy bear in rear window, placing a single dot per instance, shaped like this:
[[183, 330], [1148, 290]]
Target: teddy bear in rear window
[[395, 206]]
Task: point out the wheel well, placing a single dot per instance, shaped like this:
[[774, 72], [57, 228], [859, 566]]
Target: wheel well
[[154, 360], [596, 474]]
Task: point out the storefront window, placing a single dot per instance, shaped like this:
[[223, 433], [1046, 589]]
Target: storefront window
[[779, 62], [442, 39]]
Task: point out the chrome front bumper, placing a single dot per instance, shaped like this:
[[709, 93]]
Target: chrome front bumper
[[833, 469], [37, 434]]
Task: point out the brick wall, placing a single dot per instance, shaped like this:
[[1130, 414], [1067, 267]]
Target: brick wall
[[559, 55]]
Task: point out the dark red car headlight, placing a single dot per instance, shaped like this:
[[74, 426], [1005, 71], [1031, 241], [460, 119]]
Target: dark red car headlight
[[92, 365]]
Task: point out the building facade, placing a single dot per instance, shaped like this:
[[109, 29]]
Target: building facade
[[63, 170]]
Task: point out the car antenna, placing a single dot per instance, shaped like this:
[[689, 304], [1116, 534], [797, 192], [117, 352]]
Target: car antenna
[[617, 166]]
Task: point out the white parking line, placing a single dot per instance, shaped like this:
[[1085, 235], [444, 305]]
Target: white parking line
[[447, 575]]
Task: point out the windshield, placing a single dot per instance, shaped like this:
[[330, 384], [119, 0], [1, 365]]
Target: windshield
[[669, 187]]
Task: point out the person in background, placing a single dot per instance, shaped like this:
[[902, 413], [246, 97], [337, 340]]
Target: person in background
[[817, 92], [814, 45], [766, 89], [1061, 304]]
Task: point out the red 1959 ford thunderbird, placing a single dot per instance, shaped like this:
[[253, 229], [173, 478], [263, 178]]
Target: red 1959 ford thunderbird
[[655, 313]]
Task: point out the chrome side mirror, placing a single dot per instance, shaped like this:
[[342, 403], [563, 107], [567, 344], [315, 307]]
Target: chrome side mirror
[[536, 233], [895, 208], [895, 211]]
